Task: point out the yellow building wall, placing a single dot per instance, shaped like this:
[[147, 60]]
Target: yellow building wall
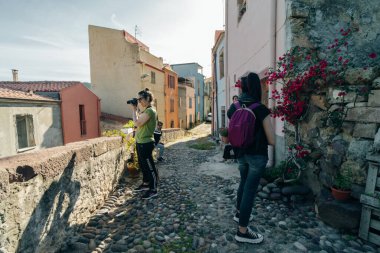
[[120, 69], [115, 73]]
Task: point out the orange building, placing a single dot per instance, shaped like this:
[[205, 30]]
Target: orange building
[[171, 98]]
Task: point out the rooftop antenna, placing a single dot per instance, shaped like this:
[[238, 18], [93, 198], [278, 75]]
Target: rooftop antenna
[[137, 31]]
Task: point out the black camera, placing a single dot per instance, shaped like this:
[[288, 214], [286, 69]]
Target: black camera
[[132, 101]]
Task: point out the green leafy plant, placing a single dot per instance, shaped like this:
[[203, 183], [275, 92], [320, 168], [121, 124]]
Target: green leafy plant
[[343, 181], [273, 173], [130, 124], [130, 145], [223, 132], [202, 144]]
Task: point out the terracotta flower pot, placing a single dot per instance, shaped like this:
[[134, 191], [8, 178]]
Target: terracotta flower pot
[[340, 194], [133, 172]]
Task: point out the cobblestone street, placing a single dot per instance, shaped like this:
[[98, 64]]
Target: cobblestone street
[[193, 213]]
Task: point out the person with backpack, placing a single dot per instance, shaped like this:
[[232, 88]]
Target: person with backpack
[[250, 132]]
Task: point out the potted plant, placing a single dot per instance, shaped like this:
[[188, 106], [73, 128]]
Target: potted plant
[[132, 161], [341, 189]]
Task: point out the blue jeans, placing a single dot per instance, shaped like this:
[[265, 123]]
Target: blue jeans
[[251, 169], [160, 148]]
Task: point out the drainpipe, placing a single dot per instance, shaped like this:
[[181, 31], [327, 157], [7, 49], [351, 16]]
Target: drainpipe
[[216, 110], [273, 55], [226, 72]]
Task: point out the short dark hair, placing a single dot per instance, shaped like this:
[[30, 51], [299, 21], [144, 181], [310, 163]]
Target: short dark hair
[[159, 123], [235, 96]]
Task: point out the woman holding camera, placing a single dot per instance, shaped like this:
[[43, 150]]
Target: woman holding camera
[[146, 123]]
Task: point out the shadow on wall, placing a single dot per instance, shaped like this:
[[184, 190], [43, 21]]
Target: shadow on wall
[[53, 136], [49, 221]]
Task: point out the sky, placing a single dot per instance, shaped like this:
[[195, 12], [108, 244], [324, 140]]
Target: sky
[[48, 39]]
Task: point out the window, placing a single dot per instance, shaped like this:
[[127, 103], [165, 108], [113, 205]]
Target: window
[[179, 102], [242, 7], [199, 116], [223, 113], [172, 124], [152, 77], [190, 103], [172, 105], [171, 82], [25, 131], [221, 64], [199, 87], [199, 100], [82, 119]]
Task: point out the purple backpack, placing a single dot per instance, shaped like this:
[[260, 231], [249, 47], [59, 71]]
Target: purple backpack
[[242, 126]]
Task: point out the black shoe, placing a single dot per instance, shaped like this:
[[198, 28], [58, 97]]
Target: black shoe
[[142, 187], [237, 216], [149, 194], [249, 236], [160, 159]]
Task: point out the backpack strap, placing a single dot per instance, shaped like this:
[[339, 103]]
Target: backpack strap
[[237, 105], [254, 106]]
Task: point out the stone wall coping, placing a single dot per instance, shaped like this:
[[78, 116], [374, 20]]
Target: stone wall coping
[[168, 130], [51, 162], [373, 158]]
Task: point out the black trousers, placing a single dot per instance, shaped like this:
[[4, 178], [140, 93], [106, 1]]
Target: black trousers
[[146, 163], [227, 152]]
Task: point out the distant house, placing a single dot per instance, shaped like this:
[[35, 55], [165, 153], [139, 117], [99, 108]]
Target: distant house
[[219, 84], [186, 105], [121, 66], [171, 98], [79, 112], [194, 71], [28, 122], [207, 96]]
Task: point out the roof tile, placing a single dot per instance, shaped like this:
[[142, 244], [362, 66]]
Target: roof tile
[[15, 94], [39, 86]]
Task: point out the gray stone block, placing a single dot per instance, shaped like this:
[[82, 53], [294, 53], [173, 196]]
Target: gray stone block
[[295, 189], [376, 83], [365, 130], [374, 98], [376, 143], [364, 114], [351, 96], [358, 149], [361, 75], [340, 215]]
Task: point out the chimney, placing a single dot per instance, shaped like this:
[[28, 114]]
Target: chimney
[[15, 75]]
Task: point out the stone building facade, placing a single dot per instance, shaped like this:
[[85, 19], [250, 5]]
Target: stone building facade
[[270, 29], [314, 24]]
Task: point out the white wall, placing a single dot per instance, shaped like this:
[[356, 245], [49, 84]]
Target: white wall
[[254, 43], [46, 123]]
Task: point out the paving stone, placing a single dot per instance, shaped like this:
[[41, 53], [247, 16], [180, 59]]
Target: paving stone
[[194, 209]]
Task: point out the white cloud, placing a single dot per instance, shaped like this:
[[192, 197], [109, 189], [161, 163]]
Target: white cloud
[[117, 23]]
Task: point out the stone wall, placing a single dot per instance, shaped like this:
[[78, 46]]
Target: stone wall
[[171, 134], [313, 24], [46, 195]]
